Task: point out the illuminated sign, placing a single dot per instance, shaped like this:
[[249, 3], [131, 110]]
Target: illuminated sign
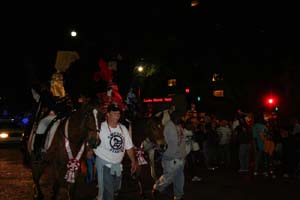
[[218, 93], [167, 99], [156, 100], [148, 100]]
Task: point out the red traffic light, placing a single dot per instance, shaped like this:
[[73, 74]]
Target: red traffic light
[[187, 90], [271, 101]]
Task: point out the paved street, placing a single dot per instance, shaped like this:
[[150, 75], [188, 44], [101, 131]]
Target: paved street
[[16, 184]]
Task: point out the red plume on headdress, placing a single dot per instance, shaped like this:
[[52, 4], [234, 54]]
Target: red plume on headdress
[[116, 96], [112, 94], [105, 73]]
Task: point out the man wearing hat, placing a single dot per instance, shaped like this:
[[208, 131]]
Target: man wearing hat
[[115, 140]]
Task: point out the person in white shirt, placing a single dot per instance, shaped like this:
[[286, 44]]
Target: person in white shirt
[[225, 134], [115, 140]]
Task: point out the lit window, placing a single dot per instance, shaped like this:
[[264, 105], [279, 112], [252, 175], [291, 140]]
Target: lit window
[[218, 93], [171, 82], [194, 3]]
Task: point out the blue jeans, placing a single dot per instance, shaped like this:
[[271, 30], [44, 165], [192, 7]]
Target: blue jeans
[[90, 169], [173, 173], [108, 184]]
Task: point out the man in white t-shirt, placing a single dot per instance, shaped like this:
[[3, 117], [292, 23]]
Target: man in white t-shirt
[[115, 140]]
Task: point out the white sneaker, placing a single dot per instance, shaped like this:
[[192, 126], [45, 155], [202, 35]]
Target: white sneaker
[[285, 175], [196, 179]]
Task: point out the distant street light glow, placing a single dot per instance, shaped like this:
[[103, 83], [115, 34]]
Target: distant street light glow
[[73, 33], [3, 135], [140, 69]]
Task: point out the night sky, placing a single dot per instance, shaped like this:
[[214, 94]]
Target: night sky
[[249, 42]]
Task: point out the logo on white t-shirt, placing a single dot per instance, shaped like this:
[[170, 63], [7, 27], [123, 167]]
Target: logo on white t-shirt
[[116, 142]]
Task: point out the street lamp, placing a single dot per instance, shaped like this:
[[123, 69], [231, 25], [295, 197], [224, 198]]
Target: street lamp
[[73, 33], [140, 69]]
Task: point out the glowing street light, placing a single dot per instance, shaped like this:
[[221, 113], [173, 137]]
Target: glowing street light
[[73, 33], [140, 69]]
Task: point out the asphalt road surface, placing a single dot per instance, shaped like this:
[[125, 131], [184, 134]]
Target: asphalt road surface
[[16, 184]]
